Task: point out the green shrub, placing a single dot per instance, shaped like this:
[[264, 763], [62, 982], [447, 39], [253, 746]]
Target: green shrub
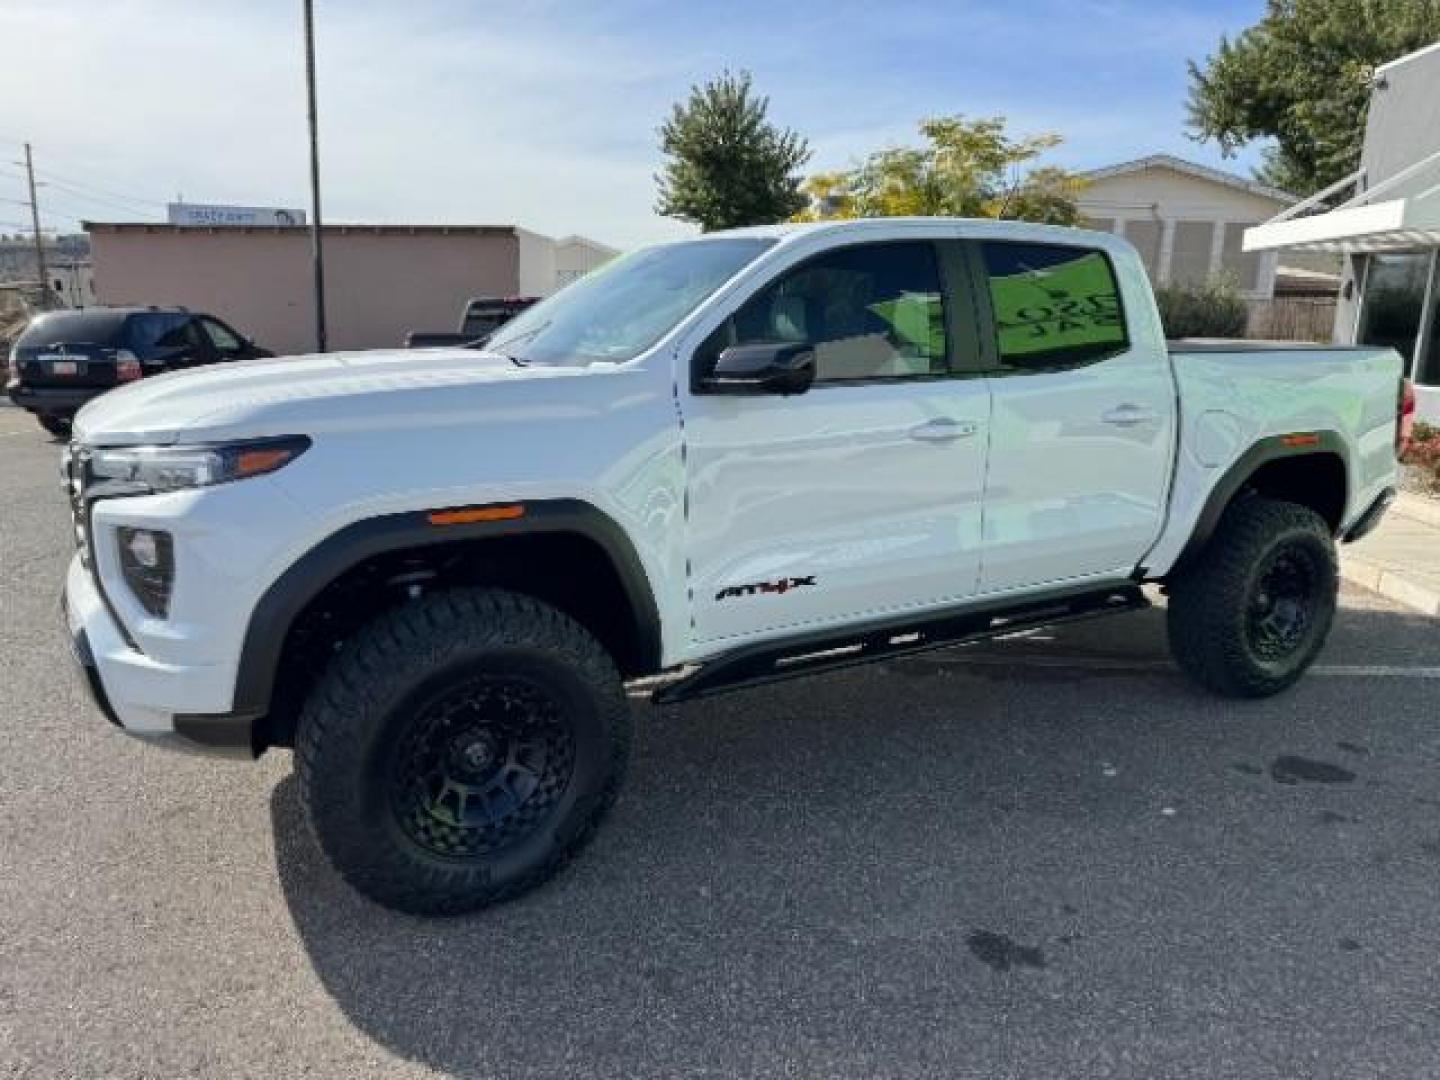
[[1212, 310]]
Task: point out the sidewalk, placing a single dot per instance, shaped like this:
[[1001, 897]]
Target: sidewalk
[[1401, 559]]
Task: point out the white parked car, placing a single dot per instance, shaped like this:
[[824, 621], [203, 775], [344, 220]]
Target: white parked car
[[748, 456]]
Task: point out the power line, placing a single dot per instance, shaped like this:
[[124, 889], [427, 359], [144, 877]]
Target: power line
[[90, 190]]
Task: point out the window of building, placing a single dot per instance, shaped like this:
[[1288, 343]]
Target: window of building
[[1427, 369], [1393, 302], [1146, 236], [1242, 267], [1054, 304], [1190, 252], [871, 311]]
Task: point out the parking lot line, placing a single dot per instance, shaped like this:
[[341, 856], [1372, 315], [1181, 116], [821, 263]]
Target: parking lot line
[[1101, 663]]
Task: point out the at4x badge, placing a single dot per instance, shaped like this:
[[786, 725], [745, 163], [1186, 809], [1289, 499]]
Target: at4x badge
[[784, 585]]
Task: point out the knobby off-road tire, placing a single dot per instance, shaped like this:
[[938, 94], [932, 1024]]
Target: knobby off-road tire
[[1251, 614], [460, 749]]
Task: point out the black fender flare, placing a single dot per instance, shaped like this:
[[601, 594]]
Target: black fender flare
[[287, 596], [1232, 482]]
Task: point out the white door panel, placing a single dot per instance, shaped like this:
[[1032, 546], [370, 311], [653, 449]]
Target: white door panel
[[840, 502], [1079, 463]]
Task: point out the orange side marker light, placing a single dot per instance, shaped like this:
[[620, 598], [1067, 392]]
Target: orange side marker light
[[471, 514]]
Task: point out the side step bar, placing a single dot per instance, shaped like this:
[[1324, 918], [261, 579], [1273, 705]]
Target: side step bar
[[757, 665]]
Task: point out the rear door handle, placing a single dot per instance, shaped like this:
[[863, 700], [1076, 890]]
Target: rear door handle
[[944, 430], [1129, 415]]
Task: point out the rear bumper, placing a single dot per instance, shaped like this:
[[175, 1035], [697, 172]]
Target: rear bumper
[[130, 690], [54, 400]]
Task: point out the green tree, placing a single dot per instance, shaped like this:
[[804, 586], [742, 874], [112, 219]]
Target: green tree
[[967, 168], [729, 166], [1301, 76]]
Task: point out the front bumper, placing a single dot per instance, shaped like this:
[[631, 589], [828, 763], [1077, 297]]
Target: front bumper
[[139, 695], [53, 400]]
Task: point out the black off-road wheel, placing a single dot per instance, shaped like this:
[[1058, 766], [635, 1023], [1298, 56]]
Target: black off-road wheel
[[461, 749], [1251, 614], [58, 426]]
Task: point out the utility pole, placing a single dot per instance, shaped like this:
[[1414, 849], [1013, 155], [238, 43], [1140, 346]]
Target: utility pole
[[317, 252], [35, 224]]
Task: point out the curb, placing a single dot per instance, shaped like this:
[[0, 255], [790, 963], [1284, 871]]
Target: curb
[[1390, 585]]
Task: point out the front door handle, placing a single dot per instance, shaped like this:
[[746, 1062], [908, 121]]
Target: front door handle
[[944, 430], [1129, 415]]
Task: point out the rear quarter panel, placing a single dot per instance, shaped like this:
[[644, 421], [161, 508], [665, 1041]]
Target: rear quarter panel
[[1230, 400]]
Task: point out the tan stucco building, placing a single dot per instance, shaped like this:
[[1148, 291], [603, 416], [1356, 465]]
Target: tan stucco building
[[1187, 220], [381, 280]]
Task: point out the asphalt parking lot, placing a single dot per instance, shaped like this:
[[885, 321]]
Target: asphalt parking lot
[[1049, 858]]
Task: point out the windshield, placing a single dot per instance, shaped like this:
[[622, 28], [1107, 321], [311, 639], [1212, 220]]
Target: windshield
[[615, 313]]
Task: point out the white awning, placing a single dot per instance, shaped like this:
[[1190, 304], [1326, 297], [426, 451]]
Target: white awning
[[1395, 225], [1362, 223]]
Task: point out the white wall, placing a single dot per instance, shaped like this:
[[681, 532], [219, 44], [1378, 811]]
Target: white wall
[[575, 256], [537, 264]]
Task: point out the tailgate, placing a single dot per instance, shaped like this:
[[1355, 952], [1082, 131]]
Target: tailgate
[[80, 366]]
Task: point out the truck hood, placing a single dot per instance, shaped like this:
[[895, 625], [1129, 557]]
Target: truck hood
[[300, 394]]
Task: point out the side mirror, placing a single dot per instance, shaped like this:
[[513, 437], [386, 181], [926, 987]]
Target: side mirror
[[766, 368]]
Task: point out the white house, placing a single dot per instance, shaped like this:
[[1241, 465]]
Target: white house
[[1188, 221]]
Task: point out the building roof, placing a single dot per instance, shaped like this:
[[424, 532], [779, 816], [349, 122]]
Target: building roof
[[1191, 168], [328, 230], [1407, 58]]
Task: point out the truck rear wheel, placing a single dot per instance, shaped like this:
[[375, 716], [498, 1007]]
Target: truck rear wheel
[[1250, 616], [460, 749]]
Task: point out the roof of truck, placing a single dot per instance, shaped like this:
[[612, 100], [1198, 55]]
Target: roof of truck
[[979, 226]]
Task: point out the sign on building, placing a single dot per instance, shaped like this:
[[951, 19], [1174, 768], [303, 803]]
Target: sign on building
[[210, 216]]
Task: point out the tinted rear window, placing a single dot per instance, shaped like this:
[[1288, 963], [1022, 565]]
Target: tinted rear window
[[75, 327]]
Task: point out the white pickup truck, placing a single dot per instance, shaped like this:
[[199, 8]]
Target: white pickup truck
[[724, 461]]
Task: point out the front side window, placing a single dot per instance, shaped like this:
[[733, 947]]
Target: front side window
[[616, 312], [871, 311], [221, 335], [1054, 305]]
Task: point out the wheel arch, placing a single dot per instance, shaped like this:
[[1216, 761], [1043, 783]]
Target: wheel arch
[[1310, 468], [599, 555]]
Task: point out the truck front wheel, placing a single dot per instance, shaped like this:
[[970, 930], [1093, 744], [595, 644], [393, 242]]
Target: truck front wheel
[[460, 749], [1250, 616]]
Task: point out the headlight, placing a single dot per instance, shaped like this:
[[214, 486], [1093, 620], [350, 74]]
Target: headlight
[[171, 468]]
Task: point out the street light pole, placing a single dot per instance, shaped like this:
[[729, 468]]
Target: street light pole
[[317, 253]]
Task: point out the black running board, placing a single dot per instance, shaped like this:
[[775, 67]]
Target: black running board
[[757, 665]]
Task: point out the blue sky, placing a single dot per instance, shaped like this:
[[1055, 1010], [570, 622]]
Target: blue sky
[[543, 113]]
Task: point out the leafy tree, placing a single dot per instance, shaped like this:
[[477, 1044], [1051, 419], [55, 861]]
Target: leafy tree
[[1301, 76], [729, 166], [967, 168]]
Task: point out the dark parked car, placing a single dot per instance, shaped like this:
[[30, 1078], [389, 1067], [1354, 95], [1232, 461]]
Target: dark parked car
[[65, 358], [482, 316]]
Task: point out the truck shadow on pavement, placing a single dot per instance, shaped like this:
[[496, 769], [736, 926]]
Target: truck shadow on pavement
[[952, 861]]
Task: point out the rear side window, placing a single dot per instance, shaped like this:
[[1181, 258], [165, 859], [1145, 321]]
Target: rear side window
[[1054, 305], [161, 330], [74, 328]]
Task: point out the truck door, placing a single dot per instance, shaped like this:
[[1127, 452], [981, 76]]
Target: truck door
[[1083, 424], [862, 496]]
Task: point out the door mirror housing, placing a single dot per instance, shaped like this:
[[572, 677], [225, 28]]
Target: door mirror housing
[[764, 368]]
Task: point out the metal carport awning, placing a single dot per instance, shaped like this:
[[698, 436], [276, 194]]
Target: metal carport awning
[[1397, 225], [1361, 224]]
